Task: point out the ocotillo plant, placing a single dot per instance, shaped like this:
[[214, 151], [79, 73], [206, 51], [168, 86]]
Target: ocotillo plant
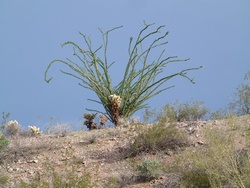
[[140, 81]]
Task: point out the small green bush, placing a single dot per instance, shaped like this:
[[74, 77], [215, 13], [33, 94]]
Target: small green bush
[[222, 114], [155, 138], [3, 179], [112, 182], [195, 178], [190, 111], [4, 122], [3, 142], [149, 169], [241, 99]]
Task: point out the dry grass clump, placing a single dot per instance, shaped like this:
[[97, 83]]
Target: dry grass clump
[[157, 137], [26, 148], [220, 163], [62, 129]]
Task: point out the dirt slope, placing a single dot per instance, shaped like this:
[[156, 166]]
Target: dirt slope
[[98, 152]]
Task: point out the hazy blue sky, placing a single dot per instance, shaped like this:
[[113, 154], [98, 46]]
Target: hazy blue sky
[[213, 33]]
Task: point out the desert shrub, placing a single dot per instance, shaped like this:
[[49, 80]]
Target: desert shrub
[[4, 122], [222, 113], [12, 128], [155, 138], [167, 114], [62, 129], [91, 139], [129, 122], [141, 79], [218, 164], [24, 132], [3, 142], [240, 103], [149, 115], [195, 178], [55, 126], [241, 98], [112, 182], [49, 128], [4, 178], [149, 169], [190, 111]]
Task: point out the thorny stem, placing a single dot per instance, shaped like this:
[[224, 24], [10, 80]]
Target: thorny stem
[[140, 80]]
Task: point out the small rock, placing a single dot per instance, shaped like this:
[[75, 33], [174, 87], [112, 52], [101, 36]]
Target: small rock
[[162, 178], [203, 123], [182, 124], [113, 139], [35, 161], [32, 161], [83, 142], [30, 172], [16, 169], [191, 130], [169, 152], [18, 162], [10, 169], [64, 158], [200, 142]]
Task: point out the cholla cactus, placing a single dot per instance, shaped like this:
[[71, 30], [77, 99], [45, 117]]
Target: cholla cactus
[[89, 122], [103, 120], [35, 130], [12, 128], [15, 123], [115, 107]]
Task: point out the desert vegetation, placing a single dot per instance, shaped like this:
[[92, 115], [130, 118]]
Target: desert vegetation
[[184, 146], [142, 79], [169, 152]]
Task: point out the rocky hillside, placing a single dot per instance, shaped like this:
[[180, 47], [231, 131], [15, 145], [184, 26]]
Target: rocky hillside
[[137, 155]]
